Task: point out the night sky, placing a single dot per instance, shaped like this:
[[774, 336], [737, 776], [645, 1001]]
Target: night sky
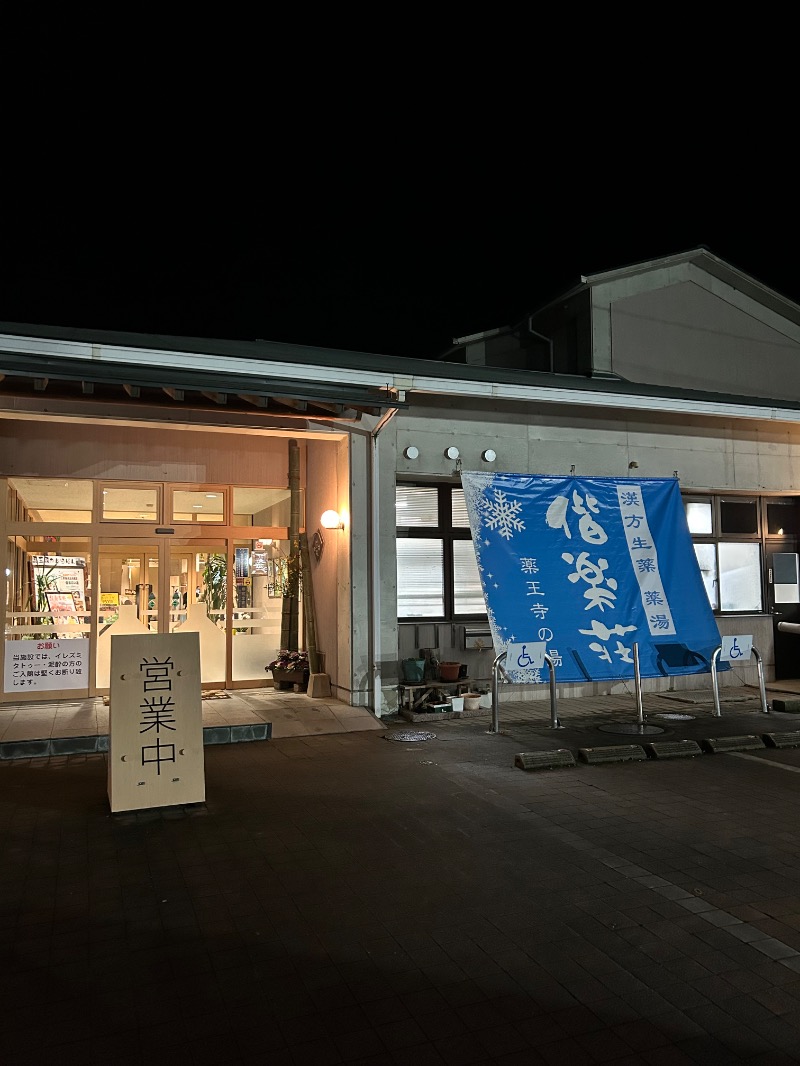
[[397, 269]]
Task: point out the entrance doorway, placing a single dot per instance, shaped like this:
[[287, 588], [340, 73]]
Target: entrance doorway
[[783, 593], [207, 586]]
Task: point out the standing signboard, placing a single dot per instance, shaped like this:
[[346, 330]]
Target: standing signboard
[[155, 750], [590, 567]]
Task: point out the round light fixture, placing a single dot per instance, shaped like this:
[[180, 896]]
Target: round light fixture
[[489, 455], [451, 453], [411, 452], [331, 520]]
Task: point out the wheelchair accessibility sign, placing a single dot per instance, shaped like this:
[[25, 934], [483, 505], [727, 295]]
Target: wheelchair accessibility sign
[[736, 649], [528, 656]]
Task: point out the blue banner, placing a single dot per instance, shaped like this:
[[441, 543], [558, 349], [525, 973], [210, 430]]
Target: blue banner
[[588, 567]]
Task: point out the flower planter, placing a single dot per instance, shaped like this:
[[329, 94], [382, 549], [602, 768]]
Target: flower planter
[[287, 679], [413, 670], [449, 671]]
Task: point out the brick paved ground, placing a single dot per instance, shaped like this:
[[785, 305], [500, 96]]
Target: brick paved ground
[[347, 898]]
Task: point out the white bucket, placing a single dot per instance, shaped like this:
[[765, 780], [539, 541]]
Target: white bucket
[[457, 703]]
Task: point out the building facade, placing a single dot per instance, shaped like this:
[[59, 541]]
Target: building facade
[[148, 479]]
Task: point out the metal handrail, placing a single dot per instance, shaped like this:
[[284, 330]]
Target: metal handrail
[[715, 680], [497, 667]]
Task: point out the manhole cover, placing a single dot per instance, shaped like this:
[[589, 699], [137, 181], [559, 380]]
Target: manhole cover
[[408, 734], [677, 717], [626, 728]]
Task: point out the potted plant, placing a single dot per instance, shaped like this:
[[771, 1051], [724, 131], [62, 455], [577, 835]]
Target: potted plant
[[289, 669]]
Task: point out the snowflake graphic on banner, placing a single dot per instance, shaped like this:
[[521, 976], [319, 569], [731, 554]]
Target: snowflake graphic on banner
[[502, 514]]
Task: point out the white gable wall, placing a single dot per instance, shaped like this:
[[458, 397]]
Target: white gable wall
[[683, 328]]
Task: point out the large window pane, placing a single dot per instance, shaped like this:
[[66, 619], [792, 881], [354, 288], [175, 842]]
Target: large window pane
[[256, 609], [48, 613], [262, 507], [739, 577], [127, 503], [38, 499], [417, 506], [707, 561], [468, 592], [204, 505], [420, 578]]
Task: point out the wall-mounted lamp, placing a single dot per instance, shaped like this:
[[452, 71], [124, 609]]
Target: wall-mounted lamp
[[572, 470], [331, 520], [411, 452], [633, 465], [489, 455], [451, 453]]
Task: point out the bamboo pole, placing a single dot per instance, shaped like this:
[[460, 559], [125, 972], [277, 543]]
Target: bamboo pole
[[309, 612], [289, 611]]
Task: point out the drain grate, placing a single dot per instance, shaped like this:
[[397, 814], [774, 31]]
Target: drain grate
[[405, 735]]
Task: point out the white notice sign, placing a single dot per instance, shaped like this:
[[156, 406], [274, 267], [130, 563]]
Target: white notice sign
[[46, 665], [155, 744]]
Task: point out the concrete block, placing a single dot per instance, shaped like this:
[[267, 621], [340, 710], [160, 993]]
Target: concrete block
[[673, 749], [612, 753], [723, 744], [319, 686], [786, 706], [782, 740], [544, 760]]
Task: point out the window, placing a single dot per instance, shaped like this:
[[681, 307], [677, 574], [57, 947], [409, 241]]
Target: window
[[38, 499], [437, 575], [130, 502], [726, 531]]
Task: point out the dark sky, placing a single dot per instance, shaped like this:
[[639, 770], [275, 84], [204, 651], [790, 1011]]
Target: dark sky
[[388, 267]]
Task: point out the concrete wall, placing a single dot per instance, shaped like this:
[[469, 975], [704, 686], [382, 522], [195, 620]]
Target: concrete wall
[[322, 494], [709, 454]]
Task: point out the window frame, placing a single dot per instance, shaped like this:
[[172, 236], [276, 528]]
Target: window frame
[[716, 538], [447, 533]]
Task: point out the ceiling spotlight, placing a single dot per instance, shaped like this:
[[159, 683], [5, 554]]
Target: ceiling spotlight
[[451, 453], [411, 452], [489, 455]]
